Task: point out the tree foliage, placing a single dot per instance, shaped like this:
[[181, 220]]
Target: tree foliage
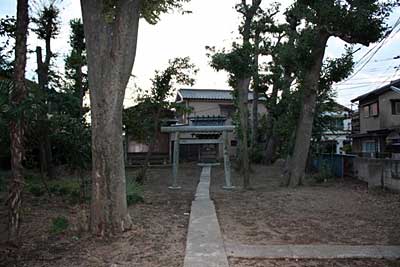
[[312, 23], [7, 33], [143, 121], [76, 78], [47, 21]]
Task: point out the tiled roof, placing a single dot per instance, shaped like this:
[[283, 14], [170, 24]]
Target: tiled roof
[[378, 91], [208, 94]]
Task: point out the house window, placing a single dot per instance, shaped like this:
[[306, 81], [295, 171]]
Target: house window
[[366, 111], [369, 147], [371, 110], [339, 125], [395, 107]]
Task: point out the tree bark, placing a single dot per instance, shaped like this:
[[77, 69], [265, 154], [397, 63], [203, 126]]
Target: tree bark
[[111, 48], [243, 93], [242, 87], [256, 87], [46, 155], [17, 96], [270, 124], [304, 127], [272, 140]]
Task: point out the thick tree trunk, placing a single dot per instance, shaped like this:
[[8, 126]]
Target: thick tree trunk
[[304, 127], [256, 87], [46, 155], [242, 88], [243, 92], [270, 124], [271, 149], [111, 46], [254, 121], [17, 96]]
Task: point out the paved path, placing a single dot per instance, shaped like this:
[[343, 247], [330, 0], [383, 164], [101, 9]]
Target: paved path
[[204, 245], [312, 251]]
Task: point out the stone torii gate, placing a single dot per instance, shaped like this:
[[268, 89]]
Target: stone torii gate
[[176, 130]]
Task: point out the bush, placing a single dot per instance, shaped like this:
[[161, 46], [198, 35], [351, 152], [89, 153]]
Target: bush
[[324, 174], [59, 225], [256, 155], [36, 190], [134, 192]]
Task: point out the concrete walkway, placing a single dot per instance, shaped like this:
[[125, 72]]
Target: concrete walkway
[[312, 251], [204, 245]]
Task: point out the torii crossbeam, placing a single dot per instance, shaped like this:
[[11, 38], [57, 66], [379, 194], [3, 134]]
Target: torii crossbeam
[[198, 129]]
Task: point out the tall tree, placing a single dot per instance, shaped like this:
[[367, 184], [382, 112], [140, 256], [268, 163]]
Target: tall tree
[[179, 71], [243, 83], [281, 75], [111, 30], [263, 23], [7, 32], [47, 28], [76, 61], [17, 96], [239, 63], [354, 22]]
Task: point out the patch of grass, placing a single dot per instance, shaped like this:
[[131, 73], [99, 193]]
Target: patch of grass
[[36, 190], [67, 188], [64, 187], [59, 225], [134, 192], [394, 263]]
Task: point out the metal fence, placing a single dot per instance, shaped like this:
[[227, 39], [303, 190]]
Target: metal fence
[[337, 164]]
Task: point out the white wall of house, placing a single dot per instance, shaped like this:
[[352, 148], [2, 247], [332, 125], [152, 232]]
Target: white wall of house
[[340, 136]]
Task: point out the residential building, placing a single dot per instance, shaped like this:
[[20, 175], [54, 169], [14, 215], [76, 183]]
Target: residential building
[[337, 135], [210, 107], [379, 122]]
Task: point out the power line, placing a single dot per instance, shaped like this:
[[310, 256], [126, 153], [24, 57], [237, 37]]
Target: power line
[[374, 51]]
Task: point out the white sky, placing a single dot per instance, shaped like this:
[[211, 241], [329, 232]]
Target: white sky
[[212, 23]]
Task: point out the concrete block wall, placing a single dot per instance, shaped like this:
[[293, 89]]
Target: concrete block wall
[[378, 172]]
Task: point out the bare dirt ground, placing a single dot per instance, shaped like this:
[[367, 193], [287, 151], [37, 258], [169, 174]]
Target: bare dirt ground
[[158, 237], [341, 212]]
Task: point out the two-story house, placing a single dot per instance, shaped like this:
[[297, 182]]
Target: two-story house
[[378, 120], [337, 134]]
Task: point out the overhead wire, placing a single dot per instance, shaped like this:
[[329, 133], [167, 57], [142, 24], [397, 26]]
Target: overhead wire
[[374, 50]]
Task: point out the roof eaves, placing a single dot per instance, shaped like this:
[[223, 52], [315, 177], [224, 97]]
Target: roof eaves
[[377, 91]]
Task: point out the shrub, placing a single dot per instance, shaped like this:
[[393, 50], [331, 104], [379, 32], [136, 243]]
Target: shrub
[[59, 225], [69, 188], [324, 174], [256, 155], [134, 192], [36, 190]]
